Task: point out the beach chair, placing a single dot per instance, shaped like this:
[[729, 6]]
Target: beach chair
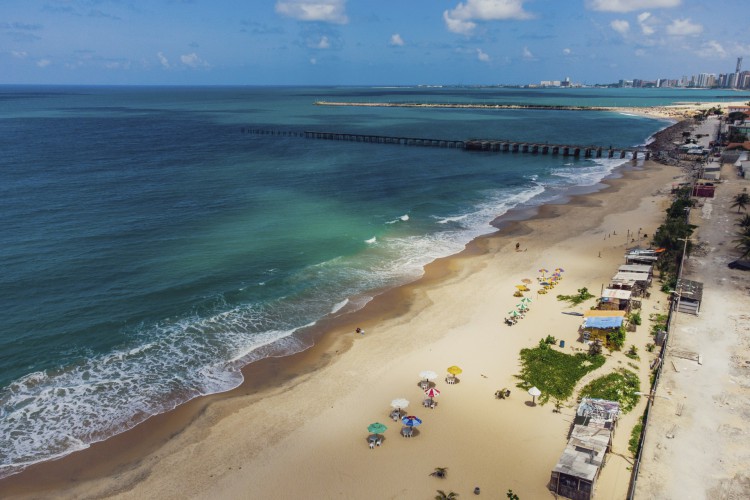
[[379, 442]]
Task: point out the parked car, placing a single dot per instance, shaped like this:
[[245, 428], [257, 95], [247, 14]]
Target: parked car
[[740, 264]]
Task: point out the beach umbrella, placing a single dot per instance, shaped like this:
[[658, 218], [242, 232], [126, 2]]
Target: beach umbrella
[[376, 428], [534, 393], [523, 288], [514, 313], [432, 393], [427, 375], [526, 280], [559, 270], [526, 300], [454, 370], [411, 421], [543, 271], [398, 405]]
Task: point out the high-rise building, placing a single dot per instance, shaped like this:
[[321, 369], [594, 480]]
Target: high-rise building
[[737, 73]]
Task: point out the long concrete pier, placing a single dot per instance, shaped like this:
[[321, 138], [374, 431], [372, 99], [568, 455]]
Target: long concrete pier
[[488, 145]]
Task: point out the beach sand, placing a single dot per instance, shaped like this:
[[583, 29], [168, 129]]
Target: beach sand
[[297, 428]]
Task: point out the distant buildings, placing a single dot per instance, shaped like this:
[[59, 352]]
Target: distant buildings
[[737, 80]]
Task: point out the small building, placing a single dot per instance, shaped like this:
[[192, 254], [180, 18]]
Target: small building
[[613, 299], [712, 172], [597, 323], [637, 268], [704, 190], [643, 256], [575, 474], [689, 296]]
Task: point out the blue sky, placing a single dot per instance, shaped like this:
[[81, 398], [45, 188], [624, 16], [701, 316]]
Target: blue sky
[[361, 42]]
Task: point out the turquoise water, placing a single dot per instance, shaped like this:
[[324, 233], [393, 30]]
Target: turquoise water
[[149, 248]]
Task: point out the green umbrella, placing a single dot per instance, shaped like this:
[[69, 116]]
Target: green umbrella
[[376, 428], [514, 313], [526, 300]]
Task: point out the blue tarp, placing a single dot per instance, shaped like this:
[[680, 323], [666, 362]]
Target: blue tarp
[[603, 322]]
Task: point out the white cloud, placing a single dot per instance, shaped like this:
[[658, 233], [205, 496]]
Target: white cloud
[[527, 54], [630, 5], [567, 51], [482, 56], [620, 25], [683, 27], [43, 63], [396, 40], [19, 54], [640, 52], [313, 61], [712, 49], [323, 43], [646, 22], [163, 59], [328, 11], [461, 19], [192, 60]]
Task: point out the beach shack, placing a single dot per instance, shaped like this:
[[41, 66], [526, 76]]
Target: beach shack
[[637, 268], [613, 299], [597, 323], [689, 296], [575, 474], [704, 189], [637, 283], [643, 256]]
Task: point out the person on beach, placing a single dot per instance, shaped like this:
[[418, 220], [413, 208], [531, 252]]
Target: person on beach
[[360, 331]]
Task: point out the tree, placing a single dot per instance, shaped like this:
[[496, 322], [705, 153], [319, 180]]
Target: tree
[[741, 201], [441, 472], [743, 244], [445, 496], [744, 222], [511, 495]]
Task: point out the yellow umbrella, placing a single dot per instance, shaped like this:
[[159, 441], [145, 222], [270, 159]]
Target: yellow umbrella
[[523, 288], [454, 370]]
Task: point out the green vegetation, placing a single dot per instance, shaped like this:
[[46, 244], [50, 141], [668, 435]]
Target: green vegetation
[[671, 235], [616, 338], [650, 347], [635, 318], [658, 323], [583, 295], [619, 386], [635, 436], [553, 372], [511, 495], [550, 340], [741, 201], [441, 495], [632, 353]]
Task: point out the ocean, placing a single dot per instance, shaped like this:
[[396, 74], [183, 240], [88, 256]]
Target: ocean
[[149, 248]]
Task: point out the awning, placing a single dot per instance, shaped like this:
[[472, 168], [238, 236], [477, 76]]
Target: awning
[[635, 268], [593, 313], [603, 322], [622, 276]]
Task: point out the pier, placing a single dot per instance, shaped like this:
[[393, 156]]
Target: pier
[[487, 145]]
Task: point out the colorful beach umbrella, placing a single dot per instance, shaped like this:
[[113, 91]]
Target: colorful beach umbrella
[[454, 370], [543, 270], [559, 270], [514, 313], [432, 392], [526, 280], [411, 421], [376, 428], [526, 300]]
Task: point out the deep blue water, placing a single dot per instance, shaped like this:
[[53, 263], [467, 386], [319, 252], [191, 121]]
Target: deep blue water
[[148, 247]]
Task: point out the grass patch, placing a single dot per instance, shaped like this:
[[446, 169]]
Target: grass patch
[[553, 372], [583, 294], [658, 323], [619, 386], [635, 436]]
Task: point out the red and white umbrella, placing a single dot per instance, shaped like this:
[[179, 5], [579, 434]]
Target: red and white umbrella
[[432, 393]]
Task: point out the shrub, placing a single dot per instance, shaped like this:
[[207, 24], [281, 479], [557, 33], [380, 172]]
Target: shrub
[[583, 294], [620, 386], [635, 318]]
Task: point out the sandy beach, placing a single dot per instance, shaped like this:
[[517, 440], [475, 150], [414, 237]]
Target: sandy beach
[[298, 426]]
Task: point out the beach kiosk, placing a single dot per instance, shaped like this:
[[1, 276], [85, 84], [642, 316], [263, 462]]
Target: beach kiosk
[[689, 296], [596, 324], [579, 466]]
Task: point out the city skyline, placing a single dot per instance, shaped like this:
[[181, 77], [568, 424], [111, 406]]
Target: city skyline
[[341, 42]]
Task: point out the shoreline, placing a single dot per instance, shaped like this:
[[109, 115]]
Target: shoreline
[[674, 112], [271, 377]]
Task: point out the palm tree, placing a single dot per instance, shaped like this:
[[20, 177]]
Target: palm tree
[[744, 222], [441, 472], [741, 201], [743, 244], [445, 496]]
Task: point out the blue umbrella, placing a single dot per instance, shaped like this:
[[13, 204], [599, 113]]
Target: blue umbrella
[[411, 420]]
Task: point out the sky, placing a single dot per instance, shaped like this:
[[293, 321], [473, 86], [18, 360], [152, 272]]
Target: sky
[[366, 42]]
